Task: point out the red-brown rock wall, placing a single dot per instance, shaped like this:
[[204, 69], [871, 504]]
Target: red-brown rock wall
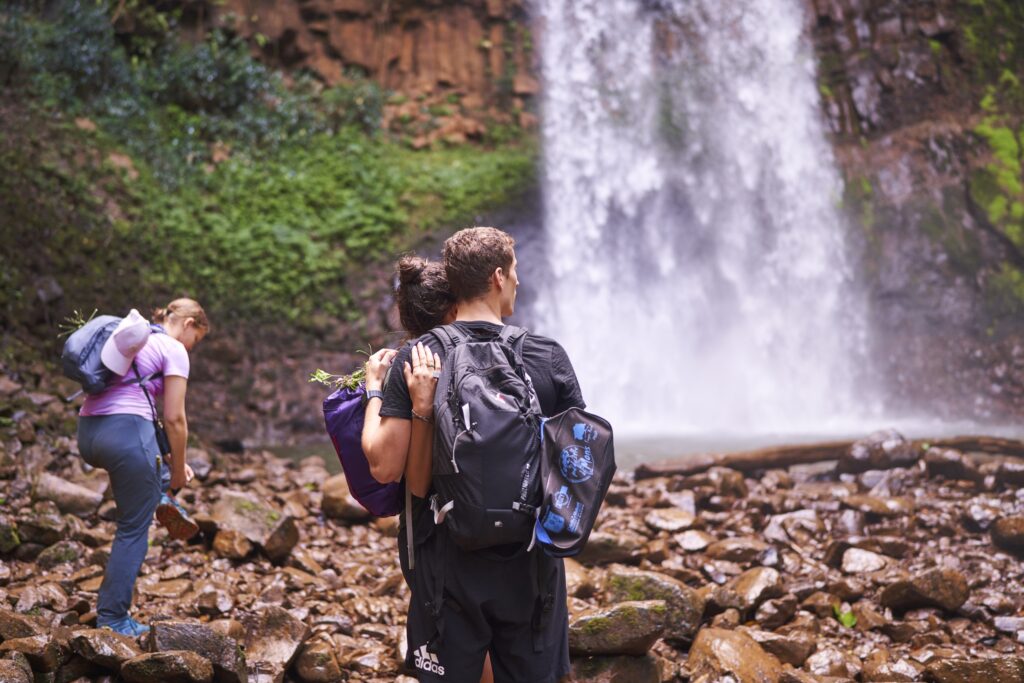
[[476, 47]]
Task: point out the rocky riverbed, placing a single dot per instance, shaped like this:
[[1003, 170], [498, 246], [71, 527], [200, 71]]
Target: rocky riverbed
[[895, 563]]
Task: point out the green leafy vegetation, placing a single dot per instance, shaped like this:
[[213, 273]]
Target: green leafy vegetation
[[844, 616], [994, 39], [144, 167]]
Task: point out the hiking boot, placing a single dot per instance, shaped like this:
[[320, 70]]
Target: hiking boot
[[174, 518], [126, 626]]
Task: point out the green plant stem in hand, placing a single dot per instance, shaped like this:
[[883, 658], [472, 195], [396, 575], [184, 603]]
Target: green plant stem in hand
[[351, 381]]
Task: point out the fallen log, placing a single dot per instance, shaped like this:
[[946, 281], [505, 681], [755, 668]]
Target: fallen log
[[978, 444], [773, 457], [780, 457]]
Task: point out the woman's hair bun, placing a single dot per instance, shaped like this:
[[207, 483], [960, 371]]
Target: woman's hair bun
[[410, 269]]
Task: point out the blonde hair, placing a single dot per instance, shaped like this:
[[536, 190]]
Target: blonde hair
[[183, 308]]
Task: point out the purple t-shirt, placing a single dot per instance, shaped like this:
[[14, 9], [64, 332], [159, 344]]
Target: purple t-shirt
[[162, 353]]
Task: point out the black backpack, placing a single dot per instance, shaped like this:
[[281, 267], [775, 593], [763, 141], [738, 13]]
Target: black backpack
[[486, 457]]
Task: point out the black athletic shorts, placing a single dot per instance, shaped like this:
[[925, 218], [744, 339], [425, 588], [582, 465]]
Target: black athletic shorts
[[488, 606]]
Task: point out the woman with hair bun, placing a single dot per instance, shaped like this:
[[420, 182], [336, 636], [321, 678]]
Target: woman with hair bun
[[424, 302], [116, 432]]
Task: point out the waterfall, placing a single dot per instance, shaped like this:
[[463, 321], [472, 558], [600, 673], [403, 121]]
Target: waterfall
[[697, 270]]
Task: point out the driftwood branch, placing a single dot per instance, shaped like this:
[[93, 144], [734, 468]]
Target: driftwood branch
[[747, 461], [777, 457]]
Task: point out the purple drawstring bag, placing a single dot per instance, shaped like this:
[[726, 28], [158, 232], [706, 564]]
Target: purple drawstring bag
[[344, 411]]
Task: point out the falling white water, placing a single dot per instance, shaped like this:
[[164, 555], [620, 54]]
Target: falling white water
[[698, 274]]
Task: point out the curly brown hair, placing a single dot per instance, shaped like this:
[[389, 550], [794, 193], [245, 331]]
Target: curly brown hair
[[472, 255]]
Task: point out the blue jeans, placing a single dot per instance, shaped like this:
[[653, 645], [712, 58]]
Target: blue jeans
[[124, 446]]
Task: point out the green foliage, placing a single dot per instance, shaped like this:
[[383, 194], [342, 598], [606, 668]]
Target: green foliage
[[845, 616], [264, 202], [282, 235]]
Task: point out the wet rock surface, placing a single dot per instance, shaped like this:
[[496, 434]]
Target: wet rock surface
[[908, 573]]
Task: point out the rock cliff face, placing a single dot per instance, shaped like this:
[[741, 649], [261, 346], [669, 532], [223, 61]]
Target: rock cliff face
[[478, 47], [912, 93]]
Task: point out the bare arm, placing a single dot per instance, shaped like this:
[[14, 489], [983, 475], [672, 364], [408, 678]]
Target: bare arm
[[177, 427], [385, 440], [420, 377]]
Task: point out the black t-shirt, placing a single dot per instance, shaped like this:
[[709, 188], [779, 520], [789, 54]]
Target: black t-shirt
[[552, 375]]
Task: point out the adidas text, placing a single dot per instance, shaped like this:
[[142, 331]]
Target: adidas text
[[427, 661]]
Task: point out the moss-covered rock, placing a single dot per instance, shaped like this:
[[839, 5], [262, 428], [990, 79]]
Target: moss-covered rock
[[626, 628], [685, 606]]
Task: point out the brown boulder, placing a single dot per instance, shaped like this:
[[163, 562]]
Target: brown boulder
[[1005, 669], [1008, 533], [943, 588], [748, 590], [225, 655], [44, 653], [272, 640], [168, 667], [717, 654], [104, 647], [623, 669]]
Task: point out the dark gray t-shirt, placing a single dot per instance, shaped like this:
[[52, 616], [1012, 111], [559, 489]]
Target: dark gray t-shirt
[[553, 378]]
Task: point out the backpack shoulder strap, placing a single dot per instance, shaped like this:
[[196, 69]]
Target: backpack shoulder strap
[[448, 335], [515, 337]]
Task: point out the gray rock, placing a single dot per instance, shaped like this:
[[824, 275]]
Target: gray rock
[[626, 628], [9, 538], [168, 667], [879, 451], [70, 498], [669, 519], [43, 525], [48, 595], [104, 647], [224, 653], [338, 502], [857, 561], [61, 552], [685, 605], [606, 548], [258, 521]]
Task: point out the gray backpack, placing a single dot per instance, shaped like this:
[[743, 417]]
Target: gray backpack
[[486, 457], [80, 359]]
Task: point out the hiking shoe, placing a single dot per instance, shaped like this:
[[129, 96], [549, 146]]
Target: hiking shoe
[[126, 626], [174, 518]]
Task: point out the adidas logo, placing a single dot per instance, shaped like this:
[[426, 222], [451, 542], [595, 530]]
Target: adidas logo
[[427, 661]]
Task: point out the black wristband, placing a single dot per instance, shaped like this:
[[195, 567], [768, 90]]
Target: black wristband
[[374, 393]]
